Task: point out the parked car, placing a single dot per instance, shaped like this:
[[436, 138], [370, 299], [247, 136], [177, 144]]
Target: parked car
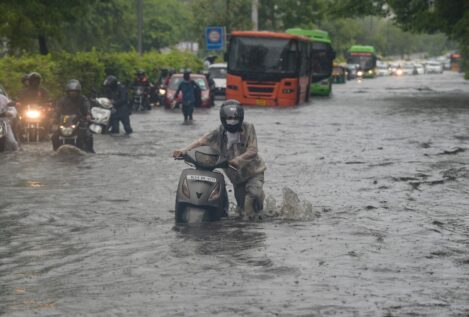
[[173, 85], [218, 74], [433, 67]]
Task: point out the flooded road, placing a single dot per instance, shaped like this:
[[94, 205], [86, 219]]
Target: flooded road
[[384, 164]]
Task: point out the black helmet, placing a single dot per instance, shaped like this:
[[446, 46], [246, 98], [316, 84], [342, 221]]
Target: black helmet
[[34, 79], [186, 74], [110, 82], [232, 110], [73, 85], [140, 73], [24, 79]]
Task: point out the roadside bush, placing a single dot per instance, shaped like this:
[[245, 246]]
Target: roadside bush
[[90, 68]]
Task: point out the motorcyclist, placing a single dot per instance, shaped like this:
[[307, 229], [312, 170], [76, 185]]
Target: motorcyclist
[[34, 93], [75, 103], [190, 95], [141, 80], [211, 86], [7, 113], [117, 93], [236, 141]]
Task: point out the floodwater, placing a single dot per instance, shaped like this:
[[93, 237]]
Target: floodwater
[[382, 163]]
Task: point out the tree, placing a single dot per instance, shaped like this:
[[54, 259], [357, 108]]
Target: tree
[[39, 21]]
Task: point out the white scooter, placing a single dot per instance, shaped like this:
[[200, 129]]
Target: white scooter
[[101, 115]]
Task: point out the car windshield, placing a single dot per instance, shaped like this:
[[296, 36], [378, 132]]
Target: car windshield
[[176, 80], [263, 55], [217, 72], [365, 60]]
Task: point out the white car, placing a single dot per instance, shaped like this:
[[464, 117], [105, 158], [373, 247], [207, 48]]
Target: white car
[[409, 69], [218, 74], [420, 69], [383, 70], [433, 67]]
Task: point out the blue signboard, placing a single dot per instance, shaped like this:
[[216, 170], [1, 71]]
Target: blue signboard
[[215, 38]]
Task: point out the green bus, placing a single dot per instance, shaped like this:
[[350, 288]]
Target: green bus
[[322, 59], [365, 57]]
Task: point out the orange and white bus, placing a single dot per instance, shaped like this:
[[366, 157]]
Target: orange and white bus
[[268, 69]]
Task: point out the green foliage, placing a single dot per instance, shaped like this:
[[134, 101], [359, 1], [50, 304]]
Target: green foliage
[[89, 67]]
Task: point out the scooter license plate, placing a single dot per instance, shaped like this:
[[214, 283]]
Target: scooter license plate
[[201, 178]]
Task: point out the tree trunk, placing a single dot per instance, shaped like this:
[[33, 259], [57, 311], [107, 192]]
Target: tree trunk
[[43, 50]]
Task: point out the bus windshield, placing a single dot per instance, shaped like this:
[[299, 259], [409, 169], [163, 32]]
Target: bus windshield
[[322, 58], [365, 60], [263, 55]]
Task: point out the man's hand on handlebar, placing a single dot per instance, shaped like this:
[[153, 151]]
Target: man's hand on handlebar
[[177, 154]]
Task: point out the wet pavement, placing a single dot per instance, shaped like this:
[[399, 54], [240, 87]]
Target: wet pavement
[[383, 164]]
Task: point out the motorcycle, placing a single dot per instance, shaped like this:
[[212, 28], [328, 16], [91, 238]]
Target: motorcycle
[[34, 122], [69, 129], [140, 99], [101, 115], [201, 194], [161, 95]]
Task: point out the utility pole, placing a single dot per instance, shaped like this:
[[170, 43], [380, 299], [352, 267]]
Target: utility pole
[[255, 15], [139, 26]]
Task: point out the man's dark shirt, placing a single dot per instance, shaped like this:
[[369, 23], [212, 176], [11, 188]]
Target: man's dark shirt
[[79, 106]]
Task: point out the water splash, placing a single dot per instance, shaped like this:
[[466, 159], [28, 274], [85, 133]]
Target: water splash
[[292, 208]]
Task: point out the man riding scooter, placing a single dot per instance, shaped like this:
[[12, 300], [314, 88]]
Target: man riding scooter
[[236, 141]]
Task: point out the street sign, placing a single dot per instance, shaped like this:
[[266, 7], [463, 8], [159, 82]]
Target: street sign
[[215, 38]]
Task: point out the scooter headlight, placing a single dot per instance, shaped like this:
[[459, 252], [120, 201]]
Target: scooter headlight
[[359, 73], [162, 91], [185, 188], [215, 193]]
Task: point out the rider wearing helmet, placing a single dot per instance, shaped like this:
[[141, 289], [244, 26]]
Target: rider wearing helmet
[[117, 93], [33, 93], [75, 103], [141, 80], [236, 140]]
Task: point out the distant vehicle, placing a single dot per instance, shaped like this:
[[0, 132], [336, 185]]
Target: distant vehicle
[[455, 62], [383, 69], [433, 67], [174, 82], [409, 69], [352, 70], [322, 59], [268, 68], [365, 56], [419, 69], [339, 74], [218, 74], [396, 69]]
